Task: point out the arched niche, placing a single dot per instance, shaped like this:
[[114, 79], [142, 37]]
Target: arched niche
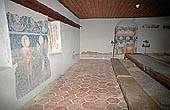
[[125, 37]]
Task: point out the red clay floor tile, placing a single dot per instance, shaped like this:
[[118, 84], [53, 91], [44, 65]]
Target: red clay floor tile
[[113, 107], [60, 108], [87, 85], [91, 98], [113, 100]]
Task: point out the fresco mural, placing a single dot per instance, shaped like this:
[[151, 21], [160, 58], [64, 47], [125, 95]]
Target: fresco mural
[[54, 37], [125, 37], [29, 53], [26, 24]]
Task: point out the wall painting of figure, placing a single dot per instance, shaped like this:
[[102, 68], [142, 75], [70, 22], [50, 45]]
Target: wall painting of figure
[[29, 49], [54, 37]]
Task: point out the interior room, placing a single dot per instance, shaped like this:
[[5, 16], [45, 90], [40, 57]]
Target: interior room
[[84, 55]]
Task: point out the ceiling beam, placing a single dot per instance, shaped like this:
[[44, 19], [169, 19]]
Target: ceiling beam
[[41, 8]]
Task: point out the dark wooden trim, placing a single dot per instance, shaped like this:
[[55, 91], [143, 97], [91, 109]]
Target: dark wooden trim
[[41, 8], [50, 19]]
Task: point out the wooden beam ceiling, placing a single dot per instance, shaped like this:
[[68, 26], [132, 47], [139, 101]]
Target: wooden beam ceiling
[[85, 9], [39, 7]]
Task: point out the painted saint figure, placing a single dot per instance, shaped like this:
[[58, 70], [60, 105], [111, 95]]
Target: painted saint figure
[[42, 51], [27, 59], [17, 23], [52, 37]]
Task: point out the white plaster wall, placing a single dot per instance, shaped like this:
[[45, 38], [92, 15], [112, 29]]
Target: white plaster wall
[[96, 34], [5, 51], [159, 38], [70, 37]]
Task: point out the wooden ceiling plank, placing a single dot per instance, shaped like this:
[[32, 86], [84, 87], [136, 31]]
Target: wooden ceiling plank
[[87, 3], [69, 7], [94, 8], [81, 6], [91, 8], [98, 8], [103, 9], [118, 8], [123, 3], [126, 6], [75, 6], [85, 8], [110, 10], [106, 8], [114, 8], [82, 9]]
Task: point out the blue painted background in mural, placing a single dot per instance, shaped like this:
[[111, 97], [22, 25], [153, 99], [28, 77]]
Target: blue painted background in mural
[[26, 24], [124, 38], [15, 40]]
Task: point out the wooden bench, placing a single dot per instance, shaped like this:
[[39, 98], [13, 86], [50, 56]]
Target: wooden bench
[[136, 97], [158, 75]]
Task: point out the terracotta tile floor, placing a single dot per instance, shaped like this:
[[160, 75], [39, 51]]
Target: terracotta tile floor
[[87, 85]]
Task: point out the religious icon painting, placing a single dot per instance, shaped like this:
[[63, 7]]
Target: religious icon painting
[[29, 54], [54, 37], [125, 33]]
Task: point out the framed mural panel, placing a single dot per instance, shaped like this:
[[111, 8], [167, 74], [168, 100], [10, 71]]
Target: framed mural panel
[[29, 49], [54, 37], [125, 37]]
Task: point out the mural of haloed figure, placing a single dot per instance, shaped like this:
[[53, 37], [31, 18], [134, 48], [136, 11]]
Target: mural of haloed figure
[[29, 53], [29, 49]]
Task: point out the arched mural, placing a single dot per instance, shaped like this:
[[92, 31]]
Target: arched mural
[[125, 37]]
